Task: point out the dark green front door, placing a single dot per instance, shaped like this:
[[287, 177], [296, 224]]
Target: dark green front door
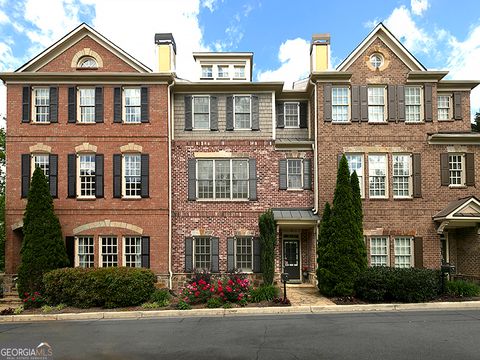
[[291, 258]]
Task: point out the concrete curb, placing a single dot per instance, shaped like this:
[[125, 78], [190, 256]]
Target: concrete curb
[[325, 309]]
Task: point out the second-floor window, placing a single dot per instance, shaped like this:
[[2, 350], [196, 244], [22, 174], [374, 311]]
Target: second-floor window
[[292, 114], [355, 163], [86, 175], [376, 104], [201, 112], [132, 105], [377, 169], [41, 105], [87, 105], [340, 104], [41, 161], [413, 104], [444, 107], [132, 175], [456, 166], [294, 174], [402, 175], [243, 112]]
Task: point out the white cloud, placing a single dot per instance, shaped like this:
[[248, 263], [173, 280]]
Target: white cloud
[[211, 5], [419, 6], [3, 18], [295, 63]]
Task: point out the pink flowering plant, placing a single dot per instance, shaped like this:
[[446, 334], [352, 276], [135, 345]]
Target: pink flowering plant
[[33, 300]]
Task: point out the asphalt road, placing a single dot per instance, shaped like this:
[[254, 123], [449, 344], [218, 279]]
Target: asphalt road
[[393, 335]]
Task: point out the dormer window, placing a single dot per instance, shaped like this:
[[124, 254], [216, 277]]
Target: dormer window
[[87, 62], [207, 72], [223, 72], [239, 72]]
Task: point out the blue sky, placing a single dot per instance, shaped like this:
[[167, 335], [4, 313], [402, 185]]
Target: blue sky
[[442, 34]]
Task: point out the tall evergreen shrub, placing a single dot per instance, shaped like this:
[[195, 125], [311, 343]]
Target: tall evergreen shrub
[[268, 239]]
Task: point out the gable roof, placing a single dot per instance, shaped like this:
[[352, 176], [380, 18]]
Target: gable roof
[[73, 37], [468, 207], [381, 31]]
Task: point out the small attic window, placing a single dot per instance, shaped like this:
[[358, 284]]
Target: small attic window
[[376, 60], [87, 62]]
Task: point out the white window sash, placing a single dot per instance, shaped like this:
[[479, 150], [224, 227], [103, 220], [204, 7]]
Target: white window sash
[[412, 252], [33, 105], [388, 260], [235, 113], [249, 270], [449, 108], [79, 185], [420, 105], [285, 115], [462, 171], [410, 176], [385, 176], [124, 181], [124, 106], [301, 174], [384, 105], [100, 253], [348, 105], [193, 112], [79, 111], [361, 177]]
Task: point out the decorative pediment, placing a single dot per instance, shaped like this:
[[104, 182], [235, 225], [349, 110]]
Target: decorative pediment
[[462, 209], [470, 210]]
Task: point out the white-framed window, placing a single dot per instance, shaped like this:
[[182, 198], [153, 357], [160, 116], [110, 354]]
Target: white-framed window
[[87, 62], [132, 171], [379, 251], [444, 104], [222, 179], [202, 252], [291, 113], [41, 104], [86, 175], [132, 107], [223, 71], [132, 251], [87, 105], [239, 72], [376, 60], [413, 104], [41, 161], [402, 175], [201, 112], [242, 112], [85, 251], [108, 251], [355, 163], [403, 252], [207, 71], [377, 179], [376, 103], [340, 104], [456, 168], [294, 173], [244, 253]]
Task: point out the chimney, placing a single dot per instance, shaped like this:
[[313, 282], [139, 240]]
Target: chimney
[[166, 52], [320, 52]]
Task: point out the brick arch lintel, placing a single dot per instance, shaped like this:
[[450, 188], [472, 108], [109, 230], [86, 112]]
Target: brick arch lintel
[[86, 147], [86, 52], [131, 147], [107, 224], [40, 148]]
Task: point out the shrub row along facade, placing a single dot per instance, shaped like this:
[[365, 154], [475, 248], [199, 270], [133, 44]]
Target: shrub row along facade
[[150, 170]]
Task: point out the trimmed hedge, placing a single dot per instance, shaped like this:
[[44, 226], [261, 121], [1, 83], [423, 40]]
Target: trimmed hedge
[[104, 287], [462, 288], [385, 284], [263, 293]]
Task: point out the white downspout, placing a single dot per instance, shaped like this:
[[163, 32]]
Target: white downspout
[[315, 154], [170, 138]]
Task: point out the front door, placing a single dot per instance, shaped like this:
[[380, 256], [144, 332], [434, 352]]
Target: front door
[[291, 256]]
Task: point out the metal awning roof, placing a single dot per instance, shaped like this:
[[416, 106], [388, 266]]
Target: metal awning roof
[[295, 214], [460, 213]]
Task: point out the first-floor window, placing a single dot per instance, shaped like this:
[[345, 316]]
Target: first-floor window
[[379, 251], [85, 251], [244, 253], [133, 251], [132, 172], [402, 176], [294, 173], [455, 166], [87, 175], [109, 251], [377, 170], [41, 161], [202, 253], [403, 252], [355, 163]]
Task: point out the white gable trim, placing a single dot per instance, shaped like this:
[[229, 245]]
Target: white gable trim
[[73, 37], [391, 41], [451, 216]]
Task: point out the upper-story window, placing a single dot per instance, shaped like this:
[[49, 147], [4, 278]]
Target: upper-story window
[[376, 104], [223, 71], [456, 167], [292, 114], [86, 176], [87, 105], [402, 175], [132, 175], [376, 60], [243, 112], [87, 62], [41, 106], [207, 71], [239, 72], [201, 112], [444, 102], [377, 169], [340, 104], [132, 105], [355, 163], [41, 161], [413, 104], [294, 174]]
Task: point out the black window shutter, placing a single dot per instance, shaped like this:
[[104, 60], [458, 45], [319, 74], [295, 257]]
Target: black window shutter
[[192, 181], [188, 254], [255, 113], [145, 252], [26, 161], [72, 175], [145, 160], [214, 252], [307, 174], [188, 112], [470, 169], [117, 105], [70, 247], [26, 104], [363, 103], [99, 105], [327, 102], [117, 175], [444, 170], [401, 103], [252, 179], [229, 114], [279, 109], [417, 176], [99, 179], [427, 95], [53, 97], [213, 113], [72, 105], [230, 254], [392, 101], [418, 252], [355, 103], [53, 174], [303, 115], [457, 105], [282, 174], [144, 110], [257, 263]]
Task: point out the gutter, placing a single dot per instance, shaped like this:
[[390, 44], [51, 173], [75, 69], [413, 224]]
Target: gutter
[[315, 155], [169, 129]]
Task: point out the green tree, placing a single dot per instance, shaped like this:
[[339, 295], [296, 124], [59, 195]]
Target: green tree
[[43, 248], [324, 249], [476, 123], [345, 255], [268, 240]]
